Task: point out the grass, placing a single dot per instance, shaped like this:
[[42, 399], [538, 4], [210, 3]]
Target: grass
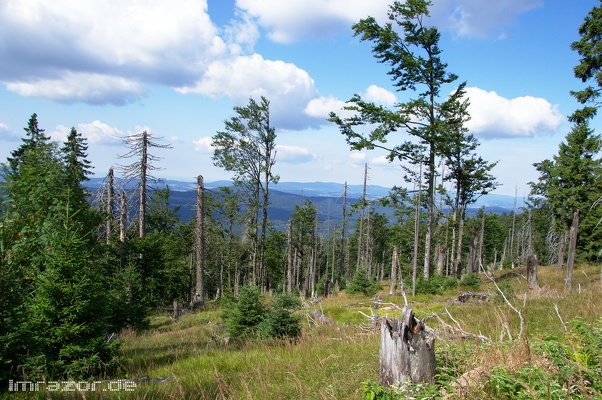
[[332, 361]]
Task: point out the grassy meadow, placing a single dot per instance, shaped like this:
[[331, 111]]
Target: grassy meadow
[[335, 361]]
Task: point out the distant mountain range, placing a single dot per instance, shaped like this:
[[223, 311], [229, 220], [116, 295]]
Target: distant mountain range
[[326, 196]]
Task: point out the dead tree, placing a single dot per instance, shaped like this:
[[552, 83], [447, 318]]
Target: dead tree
[[532, 283], [572, 249], [199, 241], [407, 351], [394, 267], [141, 169]]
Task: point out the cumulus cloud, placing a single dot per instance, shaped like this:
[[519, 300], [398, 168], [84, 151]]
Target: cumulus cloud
[[477, 18], [380, 160], [297, 20], [357, 157], [81, 87], [118, 43], [380, 96], [203, 145], [293, 154], [287, 87], [494, 116], [294, 20], [95, 132], [7, 134], [321, 107]]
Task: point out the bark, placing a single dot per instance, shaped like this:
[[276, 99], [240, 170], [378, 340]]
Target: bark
[[532, 283], [394, 264], [199, 241], [110, 205], [289, 269], [407, 351], [572, 248], [123, 215], [342, 253]]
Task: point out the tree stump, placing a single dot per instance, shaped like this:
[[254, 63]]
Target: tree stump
[[532, 283], [407, 351]]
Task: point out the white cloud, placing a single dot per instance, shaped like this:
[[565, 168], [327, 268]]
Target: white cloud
[[295, 20], [478, 18], [293, 154], [81, 87], [116, 42], [287, 87], [380, 96], [357, 157], [101, 133], [494, 116], [322, 106], [203, 145], [95, 132], [380, 160], [7, 134]]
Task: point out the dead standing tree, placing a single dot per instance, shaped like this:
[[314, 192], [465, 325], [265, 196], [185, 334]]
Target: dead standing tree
[[141, 169]]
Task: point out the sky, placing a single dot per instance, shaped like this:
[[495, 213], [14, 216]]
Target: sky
[[112, 68]]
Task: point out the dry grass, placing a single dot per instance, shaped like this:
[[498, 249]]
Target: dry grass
[[330, 361]]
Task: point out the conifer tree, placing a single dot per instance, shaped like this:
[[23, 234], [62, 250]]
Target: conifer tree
[[411, 50]]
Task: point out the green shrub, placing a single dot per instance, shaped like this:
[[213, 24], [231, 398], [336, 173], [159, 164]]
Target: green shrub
[[470, 280], [243, 315], [436, 284], [361, 284]]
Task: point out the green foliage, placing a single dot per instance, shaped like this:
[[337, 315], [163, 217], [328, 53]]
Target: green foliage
[[436, 284], [360, 284], [287, 301], [576, 370], [245, 314], [470, 280], [374, 391], [246, 317]]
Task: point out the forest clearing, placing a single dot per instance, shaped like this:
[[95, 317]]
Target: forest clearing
[[558, 357]]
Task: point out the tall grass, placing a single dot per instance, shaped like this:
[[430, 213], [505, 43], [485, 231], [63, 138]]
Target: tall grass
[[331, 361]]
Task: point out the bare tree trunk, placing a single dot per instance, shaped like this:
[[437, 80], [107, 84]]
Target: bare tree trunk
[[572, 249], [458, 262], [394, 266], [504, 253], [110, 205], [513, 226], [289, 270], [416, 234], [142, 200], [532, 283], [199, 296], [361, 231], [481, 240], [471, 265], [342, 253], [123, 215], [441, 257], [407, 351]]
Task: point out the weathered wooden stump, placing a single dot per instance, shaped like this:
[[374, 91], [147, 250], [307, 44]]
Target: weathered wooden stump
[[407, 351]]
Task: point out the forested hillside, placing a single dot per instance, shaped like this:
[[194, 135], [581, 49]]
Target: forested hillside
[[83, 262]]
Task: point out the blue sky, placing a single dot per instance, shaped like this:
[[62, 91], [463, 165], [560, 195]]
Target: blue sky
[[176, 68]]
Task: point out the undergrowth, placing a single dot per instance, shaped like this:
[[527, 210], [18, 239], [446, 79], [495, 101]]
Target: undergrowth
[[341, 360]]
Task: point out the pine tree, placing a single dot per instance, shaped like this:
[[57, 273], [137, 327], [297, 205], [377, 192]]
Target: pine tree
[[414, 58]]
